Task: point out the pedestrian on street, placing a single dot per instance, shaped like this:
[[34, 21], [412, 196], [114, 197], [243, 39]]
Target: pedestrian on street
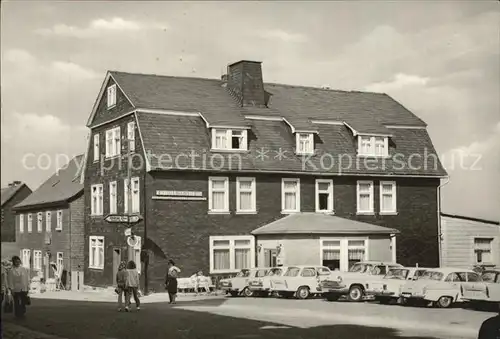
[[490, 329], [171, 281], [132, 286], [18, 282], [5, 266], [121, 284]]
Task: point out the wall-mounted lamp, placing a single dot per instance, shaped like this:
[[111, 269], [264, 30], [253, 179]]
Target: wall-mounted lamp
[[259, 247]]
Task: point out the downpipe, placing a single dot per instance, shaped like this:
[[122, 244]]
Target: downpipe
[[447, 180]]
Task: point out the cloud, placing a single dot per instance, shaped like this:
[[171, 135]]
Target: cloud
[[280, 35], [98, 27], [399, 81], [74, 70], [18, 56]]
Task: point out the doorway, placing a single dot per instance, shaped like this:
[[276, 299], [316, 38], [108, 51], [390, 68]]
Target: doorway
[[117, 258], [270, 257]]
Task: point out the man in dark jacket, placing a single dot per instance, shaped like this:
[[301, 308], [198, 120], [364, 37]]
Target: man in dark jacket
[[121, 284], [490, 329]]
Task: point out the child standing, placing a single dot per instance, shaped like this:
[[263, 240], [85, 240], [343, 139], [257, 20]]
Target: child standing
[[132, 286], [121, 284]]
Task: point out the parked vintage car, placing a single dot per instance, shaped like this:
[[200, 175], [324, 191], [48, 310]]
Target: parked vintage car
[[483, 292], [389, 287], [300, 281], [352, 283], [261, 286], [439, 286], [239, 284]]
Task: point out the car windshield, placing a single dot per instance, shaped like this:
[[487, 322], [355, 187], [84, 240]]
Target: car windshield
[[430, 275], [292, 272], [274, 272], [261, 273], [397, 273], [360, 268], [489, 276], [243, 274]]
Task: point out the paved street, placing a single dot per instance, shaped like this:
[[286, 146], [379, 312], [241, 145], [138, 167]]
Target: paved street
[[242, 318]]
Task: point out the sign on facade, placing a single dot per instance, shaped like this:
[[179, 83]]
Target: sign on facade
[[178, 195], [123, 219]]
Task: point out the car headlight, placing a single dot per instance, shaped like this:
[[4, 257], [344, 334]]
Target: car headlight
[[385, 287], [339, 278]]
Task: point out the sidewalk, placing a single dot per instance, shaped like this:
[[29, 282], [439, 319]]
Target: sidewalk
[[108, 295], [13, 331]]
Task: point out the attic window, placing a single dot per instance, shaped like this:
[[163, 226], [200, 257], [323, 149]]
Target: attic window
[[228, 139], [112, 96], [373, 146], [305, 143]]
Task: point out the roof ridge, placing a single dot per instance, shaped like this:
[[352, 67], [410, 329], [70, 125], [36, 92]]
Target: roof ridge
[[323, 89], [165, 76]]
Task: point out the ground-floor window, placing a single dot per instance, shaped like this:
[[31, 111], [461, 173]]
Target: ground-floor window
[[482, 250], [60, 262], [231, 253], [96, 252], [134, 251], [26, 257], [271, 257], [37, 260], [342, 254]]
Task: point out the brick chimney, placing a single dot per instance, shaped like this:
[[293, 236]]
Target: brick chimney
[[244, 80]]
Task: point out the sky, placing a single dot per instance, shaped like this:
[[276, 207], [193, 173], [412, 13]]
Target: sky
[[438, 59]]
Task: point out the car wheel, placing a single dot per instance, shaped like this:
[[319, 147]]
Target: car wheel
[[233, 294], [332, 297], [303, 293], [247, 292], [355, 293], [444, 302]]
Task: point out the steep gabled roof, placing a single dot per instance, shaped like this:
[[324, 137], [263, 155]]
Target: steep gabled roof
[[318, 223], [8, 193], [60, 187]]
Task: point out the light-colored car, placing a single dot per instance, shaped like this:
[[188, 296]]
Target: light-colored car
[[439, 286], [262, 286], [389, 287], [352, 283], [238, 285], [300, 281], [485, 291]]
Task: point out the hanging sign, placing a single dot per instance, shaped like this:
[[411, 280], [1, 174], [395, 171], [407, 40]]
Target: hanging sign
[[114, 218]]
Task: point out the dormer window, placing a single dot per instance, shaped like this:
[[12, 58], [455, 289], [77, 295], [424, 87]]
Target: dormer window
[[305, 143], [229, 139], [373, 146], [112, 96]]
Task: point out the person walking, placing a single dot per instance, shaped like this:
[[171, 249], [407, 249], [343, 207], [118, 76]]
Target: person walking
[[171, 281], [132, 286], [121, 284], [18, 282]]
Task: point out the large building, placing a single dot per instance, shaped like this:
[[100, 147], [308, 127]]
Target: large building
[[50, 229], [234, 172], [14, 193], [468, 242]]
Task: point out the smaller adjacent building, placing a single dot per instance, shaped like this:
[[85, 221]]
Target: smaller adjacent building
[[50, 227], [468, 242], [14, 193]]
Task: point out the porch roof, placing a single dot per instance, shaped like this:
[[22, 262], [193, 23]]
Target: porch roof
[[319, 223]]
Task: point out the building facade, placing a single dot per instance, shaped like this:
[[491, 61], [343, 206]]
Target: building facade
[[11, 195], [469, 242], [216, 164], [50, 227]]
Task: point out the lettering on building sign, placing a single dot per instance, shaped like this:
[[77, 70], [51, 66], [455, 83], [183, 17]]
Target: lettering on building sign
[[179, 195]]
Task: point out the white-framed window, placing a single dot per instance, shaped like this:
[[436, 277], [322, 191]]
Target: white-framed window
[[59, 221], [113, 197], [245, 195], [342, 253], [229, 139], [37, 260], [331, 253], [388, 197], [135, 253], [356, 251], [48, 221], [305, 143], [96, 207], [218, 194], [21, 223], [39, 222], [324, 195], [482, 250], [112, 96], [26, 257], [97, 151], [290, 195], [373, 146], [136, 198], [131, 135], [96, 252], [60, 261], [30, 222], [231, 253], [113, 145], [365, 196]]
